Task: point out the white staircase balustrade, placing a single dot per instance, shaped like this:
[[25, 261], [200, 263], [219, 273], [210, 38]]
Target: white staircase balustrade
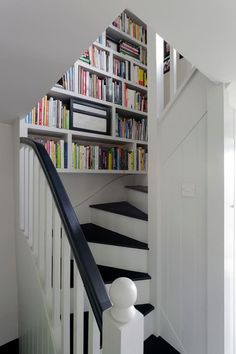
[[49, 237], [123, 325]]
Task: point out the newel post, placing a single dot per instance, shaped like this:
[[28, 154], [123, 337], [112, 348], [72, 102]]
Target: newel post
[[123, 325]]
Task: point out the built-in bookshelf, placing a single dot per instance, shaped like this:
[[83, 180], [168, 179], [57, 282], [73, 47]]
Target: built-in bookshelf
[[110, 75]]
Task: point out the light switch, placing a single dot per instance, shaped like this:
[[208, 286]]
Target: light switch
[[188, 190]]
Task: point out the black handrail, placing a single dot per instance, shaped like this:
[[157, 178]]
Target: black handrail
[[91, 277]]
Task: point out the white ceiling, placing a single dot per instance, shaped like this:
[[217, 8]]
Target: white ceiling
[[40, 39]]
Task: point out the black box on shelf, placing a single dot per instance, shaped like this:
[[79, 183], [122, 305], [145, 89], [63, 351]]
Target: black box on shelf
[[90, 117]]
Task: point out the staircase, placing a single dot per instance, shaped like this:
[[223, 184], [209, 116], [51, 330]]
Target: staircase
[[62, 260], [117, 236]]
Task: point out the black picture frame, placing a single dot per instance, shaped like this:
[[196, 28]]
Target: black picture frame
[[94, 118]]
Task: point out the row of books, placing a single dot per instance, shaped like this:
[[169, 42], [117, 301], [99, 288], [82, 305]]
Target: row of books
[[91, 157], [56, 149], [131, 72], [49, 112], [142, 159], [67, 81], [129, 26], [96, 57], [135, 100], [106, 89], [131, 128]]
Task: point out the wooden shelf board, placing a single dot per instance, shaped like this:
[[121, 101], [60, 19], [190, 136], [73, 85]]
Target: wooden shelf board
[[121, 172]]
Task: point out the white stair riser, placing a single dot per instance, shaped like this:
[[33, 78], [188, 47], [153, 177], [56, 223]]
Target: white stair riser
[[120, 257], [124, 225], [143, 287], [138, 199], [148, 325]]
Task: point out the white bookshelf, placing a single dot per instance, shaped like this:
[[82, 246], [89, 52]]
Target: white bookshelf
[[60, 93]]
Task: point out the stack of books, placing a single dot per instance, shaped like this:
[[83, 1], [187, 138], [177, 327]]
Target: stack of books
[[56, 149], [135, 100], [131, 128], [139, 76], [85, 57], [142, 159], [127, 25], [91, 157], [68, 80], [49, 112], [129, 49]]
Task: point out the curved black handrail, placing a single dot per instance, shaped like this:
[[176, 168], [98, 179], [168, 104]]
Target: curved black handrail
[[88, 269]]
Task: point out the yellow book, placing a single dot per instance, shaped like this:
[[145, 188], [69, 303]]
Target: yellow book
[[109, 160]]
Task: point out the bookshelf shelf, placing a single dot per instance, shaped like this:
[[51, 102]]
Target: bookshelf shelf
[[88, 76], [115, 172]]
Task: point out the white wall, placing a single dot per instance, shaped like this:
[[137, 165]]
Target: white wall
[[8, 288], [183, 241]]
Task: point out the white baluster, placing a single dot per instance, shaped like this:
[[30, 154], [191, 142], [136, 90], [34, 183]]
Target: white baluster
[[173, 72], [42, 213], [65, 294], [22, 188], [78, 312], [123, 325], [26, 189], [35, 240], [56, 275], [48, 263], [94, 335], [31, 193]]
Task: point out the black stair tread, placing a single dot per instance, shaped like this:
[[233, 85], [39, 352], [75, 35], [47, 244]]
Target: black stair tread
[[153, 345], [122, 208], [109, 274], [145, 309], [98, 234], [143, 189], [10, 347]]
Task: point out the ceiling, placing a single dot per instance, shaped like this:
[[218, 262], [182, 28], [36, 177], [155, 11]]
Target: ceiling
[[39, 40]]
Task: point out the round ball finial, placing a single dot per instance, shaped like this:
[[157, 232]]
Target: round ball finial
[[123, 294]]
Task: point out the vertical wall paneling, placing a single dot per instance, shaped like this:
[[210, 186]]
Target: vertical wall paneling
[[26, 189], [56, 269], [21, 188], [31, 193], [36, 207], [48, 251], [42, 221], [65, 315]]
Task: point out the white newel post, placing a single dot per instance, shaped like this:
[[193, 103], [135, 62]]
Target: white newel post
[[123, 325]]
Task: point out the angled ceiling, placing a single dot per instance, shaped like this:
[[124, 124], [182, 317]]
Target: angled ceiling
[[39, 40]]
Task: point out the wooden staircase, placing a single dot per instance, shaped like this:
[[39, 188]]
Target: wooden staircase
[[126, 254]]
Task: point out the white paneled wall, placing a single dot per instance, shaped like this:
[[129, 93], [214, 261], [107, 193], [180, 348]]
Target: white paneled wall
[[183, 240]]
